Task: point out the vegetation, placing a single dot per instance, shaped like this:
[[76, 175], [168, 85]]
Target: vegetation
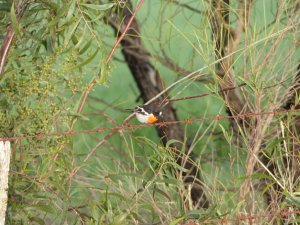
[[78, 159]]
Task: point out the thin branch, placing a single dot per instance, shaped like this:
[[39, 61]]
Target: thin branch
[[124, 32], [5, 47], [126, 126], [8, 40], [187, 7]]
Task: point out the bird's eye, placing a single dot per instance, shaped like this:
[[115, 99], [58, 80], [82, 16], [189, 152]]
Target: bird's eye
[[157, 113]]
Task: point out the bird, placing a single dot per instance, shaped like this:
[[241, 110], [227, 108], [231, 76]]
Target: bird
[[145, 114]]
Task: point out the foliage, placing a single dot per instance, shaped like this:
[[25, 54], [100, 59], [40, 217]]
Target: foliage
[[40, 90], [59, 51]]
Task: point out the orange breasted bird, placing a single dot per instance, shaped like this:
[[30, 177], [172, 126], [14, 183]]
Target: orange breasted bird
[[145, 114]]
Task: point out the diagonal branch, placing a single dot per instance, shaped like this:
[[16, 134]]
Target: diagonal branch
[[10, 34], [5, 47]]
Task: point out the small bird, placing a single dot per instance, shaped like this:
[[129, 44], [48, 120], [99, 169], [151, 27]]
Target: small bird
[[145, 114]]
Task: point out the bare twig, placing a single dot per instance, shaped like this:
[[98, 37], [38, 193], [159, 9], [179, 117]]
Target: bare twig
[[6, 46], [187, 7], [124, 31], [8, 40]]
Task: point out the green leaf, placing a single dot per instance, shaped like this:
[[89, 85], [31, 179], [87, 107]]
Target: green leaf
[[256, 176], [174, 222], [103, 78], [71, 10], [98, 7], [120, 219], [87, 61], [42, 207], [170, 142], [79, 116], [94, 18], [181, 168], [227, 135], [163, 193], [172, 181], [195, 214], [292, 199], [85, 47], [37, 220], [14, 20], [104, 73], [51, 5], [70, 32], [5, 6]]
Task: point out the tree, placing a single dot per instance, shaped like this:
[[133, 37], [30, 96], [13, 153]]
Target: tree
[[236, 148]]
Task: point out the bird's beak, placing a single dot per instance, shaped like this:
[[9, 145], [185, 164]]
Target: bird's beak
[[129, 110]]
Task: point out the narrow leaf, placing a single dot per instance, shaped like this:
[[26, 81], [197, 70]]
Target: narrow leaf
[[71, 31], [87, 61], [14, 20], [176, 221], [98, 7], [85, 46]]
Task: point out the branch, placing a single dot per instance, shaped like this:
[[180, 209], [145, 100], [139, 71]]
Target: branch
[[124, 32], [8, 40]]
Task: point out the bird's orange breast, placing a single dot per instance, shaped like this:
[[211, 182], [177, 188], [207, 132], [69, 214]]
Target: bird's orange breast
[[152, 119]]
